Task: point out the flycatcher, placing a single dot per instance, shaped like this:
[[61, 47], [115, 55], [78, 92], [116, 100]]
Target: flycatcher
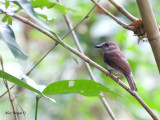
[[115, 61]]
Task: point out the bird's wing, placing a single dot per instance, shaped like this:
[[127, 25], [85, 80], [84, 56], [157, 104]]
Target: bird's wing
[[117, 60]]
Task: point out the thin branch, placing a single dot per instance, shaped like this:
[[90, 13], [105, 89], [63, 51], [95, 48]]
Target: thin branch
[[113, 17], [85, 58], [52, 48], [123, 10], [24, 113], [8, 90], [62, 39], [75, 38], [41, 59]]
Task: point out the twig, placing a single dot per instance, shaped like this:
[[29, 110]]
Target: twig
[[123, 10], [24, 113], [75, 38], [85, 58], [9, 92], [151, 28], [52, 48], [41, 59], [113, 17], [57, 42]]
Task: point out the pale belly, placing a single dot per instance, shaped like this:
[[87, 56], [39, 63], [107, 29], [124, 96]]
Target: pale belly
[[114, 70]]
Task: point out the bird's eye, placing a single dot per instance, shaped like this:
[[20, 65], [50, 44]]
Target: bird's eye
[[107, 44]]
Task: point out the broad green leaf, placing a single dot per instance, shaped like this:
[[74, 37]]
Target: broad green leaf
[[83, 87], [18, 81], [7, 35]]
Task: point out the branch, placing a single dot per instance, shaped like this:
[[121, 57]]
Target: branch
[[123, 10], [9, 92], [151, 28], [75, 38], [85, 58], [57, 42], [113, 17]]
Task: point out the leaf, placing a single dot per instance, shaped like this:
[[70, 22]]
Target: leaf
[[7, 3], [18, 81], [30, 11], [83, 87], [51, 20], [9, 18], [7, 35], [27, 7], [45, 3]]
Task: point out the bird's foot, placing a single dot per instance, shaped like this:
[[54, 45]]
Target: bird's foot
[[109, 72], [118, 77]]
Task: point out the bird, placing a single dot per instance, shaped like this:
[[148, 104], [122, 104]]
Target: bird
[[116, 62]]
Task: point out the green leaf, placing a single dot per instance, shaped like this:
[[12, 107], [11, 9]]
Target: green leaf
[[27, 7], [83, 87], [45, 3], [51, 20], [18, 81], [5, 18], [9, 20], [7, 3], [7, 35]]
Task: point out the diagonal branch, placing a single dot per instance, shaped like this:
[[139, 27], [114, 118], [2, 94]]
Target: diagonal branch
[[75, 38], [86, 59], [123, 10], [113, 17]]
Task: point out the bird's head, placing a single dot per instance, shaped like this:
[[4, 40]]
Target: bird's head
[[107, 46]]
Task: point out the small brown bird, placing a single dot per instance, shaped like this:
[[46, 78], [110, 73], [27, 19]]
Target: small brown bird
[[117, 62]]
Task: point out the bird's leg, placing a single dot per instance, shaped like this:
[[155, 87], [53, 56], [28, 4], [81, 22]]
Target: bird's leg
[[110, 71]]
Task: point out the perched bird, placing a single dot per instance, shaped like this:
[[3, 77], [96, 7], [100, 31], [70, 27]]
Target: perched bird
[[117, 62]]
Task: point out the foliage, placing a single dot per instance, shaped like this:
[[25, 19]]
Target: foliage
[[59, 69]]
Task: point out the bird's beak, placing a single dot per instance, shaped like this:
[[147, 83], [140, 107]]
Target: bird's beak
[[98, 46]]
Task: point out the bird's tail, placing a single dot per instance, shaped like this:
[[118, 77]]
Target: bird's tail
[[131, 82]]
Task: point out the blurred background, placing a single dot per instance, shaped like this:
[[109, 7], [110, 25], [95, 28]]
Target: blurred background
[[60, 64]]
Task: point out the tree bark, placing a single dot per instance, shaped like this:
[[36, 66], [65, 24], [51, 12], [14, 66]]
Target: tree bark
[[151, 28]]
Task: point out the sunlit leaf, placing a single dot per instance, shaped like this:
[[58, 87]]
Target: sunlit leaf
[[7, 35], [45, 17], [7, 3], [27, 7], [83, 87], [46, 3]]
